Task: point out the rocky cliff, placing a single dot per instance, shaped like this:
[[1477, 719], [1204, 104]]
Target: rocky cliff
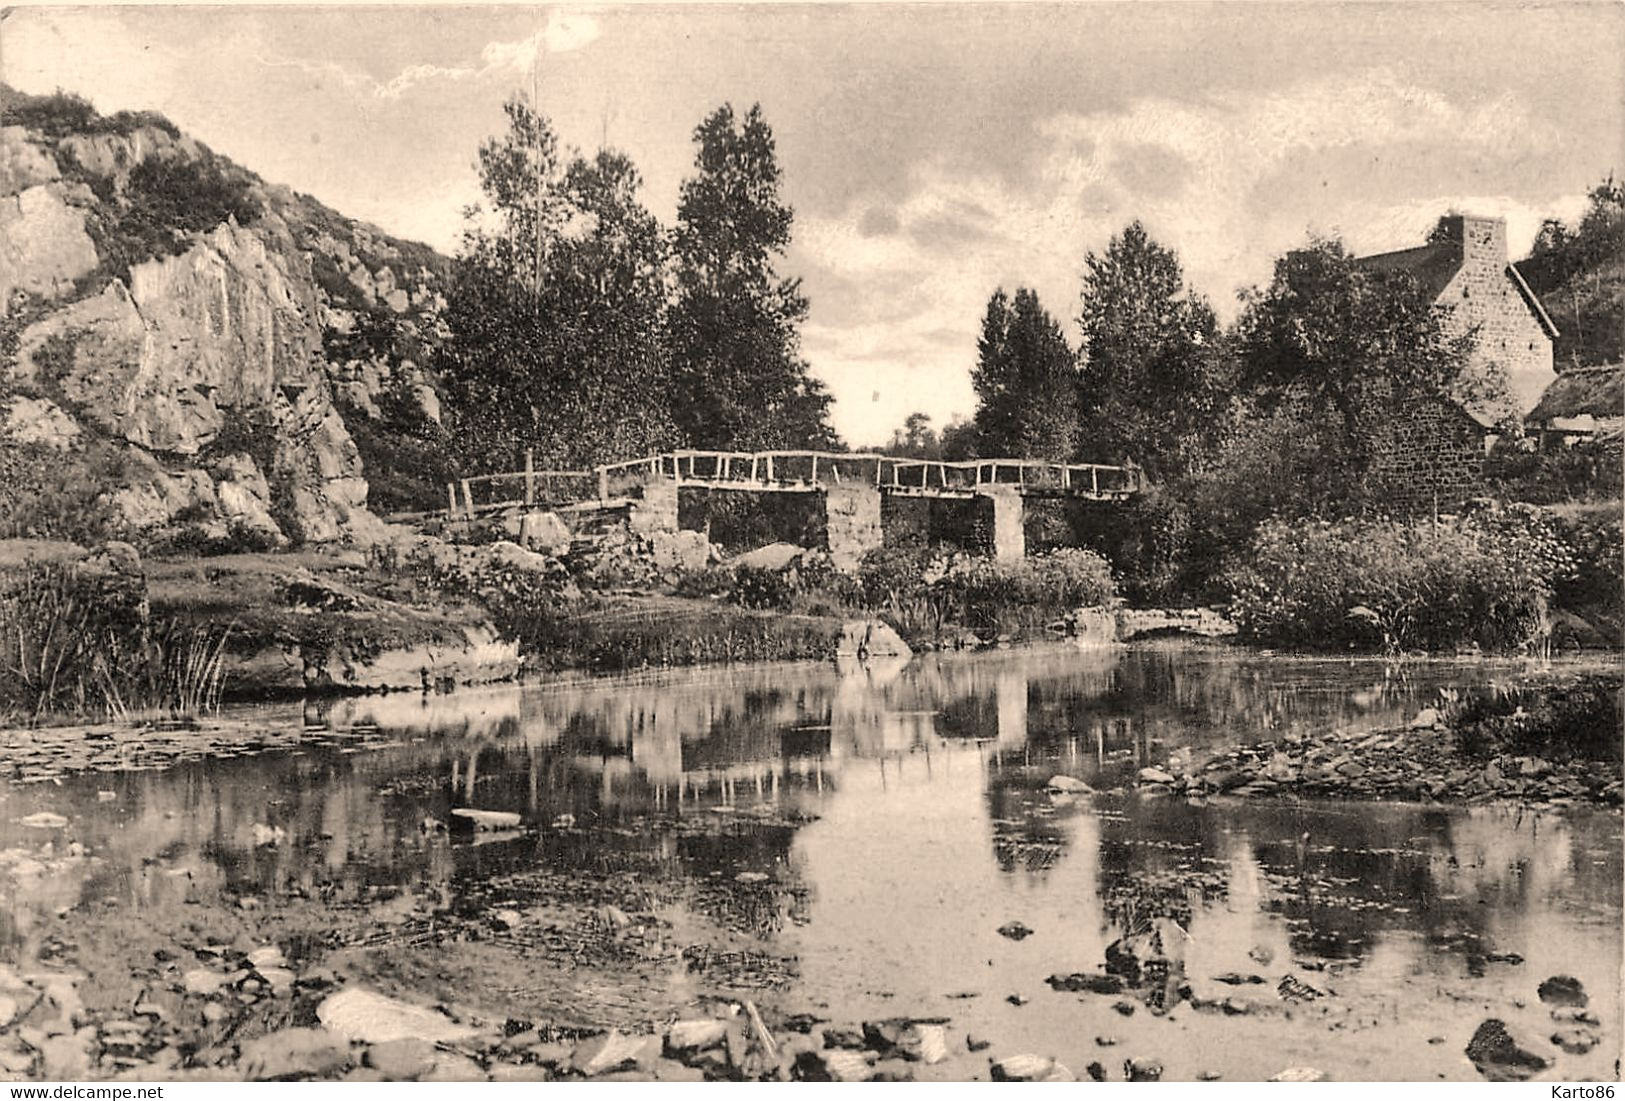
[[186, 351]]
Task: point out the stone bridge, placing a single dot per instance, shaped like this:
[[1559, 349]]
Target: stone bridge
[[853, 487]]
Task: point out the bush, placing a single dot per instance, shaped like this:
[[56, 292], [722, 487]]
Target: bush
[[165, 201], [79, 642], [46, 494], [1575, 719], [1480, 581], [1591, 470], [62, 113]]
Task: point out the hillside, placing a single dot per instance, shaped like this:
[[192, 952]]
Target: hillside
[[1579, 273], [191, 356]]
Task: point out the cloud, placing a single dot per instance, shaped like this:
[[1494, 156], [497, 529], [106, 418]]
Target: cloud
[[1229, 180], [565, 31]]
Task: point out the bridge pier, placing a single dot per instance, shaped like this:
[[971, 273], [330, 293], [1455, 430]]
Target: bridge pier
[[1009, 521], [656, 509], [852, 520]]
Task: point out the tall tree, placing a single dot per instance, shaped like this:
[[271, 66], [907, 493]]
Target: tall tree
[[1153, 385], [739, 379], [1579, 273], [1346, 342], [1026, 381], [556, 314]]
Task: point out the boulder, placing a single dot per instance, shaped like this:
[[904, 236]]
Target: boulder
[[611, 1051], [112, 155], [1069, 784], [38, 421], [485, 819], [294, 1053], [44, 247], [544, 532], [869, 638], [673, 552], [1030, 1068], [358, 1014], [402, 1060], [774, 556], [23, 163], [1094, 625], [687, 1037], [1299, 1074]]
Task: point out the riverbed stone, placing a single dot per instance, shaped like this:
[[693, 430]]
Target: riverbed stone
[[1499, 1056], [362, 1015], [402, 1060], [1563, 990], [1576, 1041], [294, 1053]]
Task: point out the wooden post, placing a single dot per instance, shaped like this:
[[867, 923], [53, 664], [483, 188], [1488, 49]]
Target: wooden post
[[468, 499], [451, 491], [770, 468], [1094, 480], [530, 477], [815, 470]]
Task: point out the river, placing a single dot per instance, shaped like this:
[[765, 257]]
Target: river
[[847, 844]]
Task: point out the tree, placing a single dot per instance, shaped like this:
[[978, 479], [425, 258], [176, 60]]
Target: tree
[[739, 379], [1349, 343], [556, 313], [1025, 379], [915, 440], [1153, 384], [1579, 274]]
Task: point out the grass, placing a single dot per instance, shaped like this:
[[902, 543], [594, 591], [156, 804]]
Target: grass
[[75, 642], [615, 634]]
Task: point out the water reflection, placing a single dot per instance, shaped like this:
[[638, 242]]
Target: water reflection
[[852, 816]]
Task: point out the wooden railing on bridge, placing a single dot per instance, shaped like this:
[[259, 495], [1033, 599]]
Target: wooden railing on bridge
[[789, 471]]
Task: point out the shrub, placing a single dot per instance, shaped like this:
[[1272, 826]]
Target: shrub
[[62, 113], [1481, 581], [1591, 470], [48, 494], [165, 201], [1579, 718]]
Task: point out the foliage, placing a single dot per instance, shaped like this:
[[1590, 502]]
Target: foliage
[[1153, 381], [406, 455], [1026, 381], [49, 494], [165, 201], [1480, 581], [916, 439], [1351, 346], [1594, 587], [1578, 718], [739, 380], [555, 314], [1579, 274], [79, 642], [63, 114], [1588, 470], [995, 597]]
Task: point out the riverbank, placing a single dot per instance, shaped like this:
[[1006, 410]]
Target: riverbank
[[1442, 755]]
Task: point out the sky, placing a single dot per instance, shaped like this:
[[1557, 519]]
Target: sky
[[932, 153]]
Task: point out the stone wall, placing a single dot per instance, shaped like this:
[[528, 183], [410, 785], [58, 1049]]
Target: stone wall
[[1432, 456]]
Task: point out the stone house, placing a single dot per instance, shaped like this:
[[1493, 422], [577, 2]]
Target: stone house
[[1434, 456], [1582, 403]]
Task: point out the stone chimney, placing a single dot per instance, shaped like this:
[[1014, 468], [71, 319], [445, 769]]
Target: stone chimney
[[1478, 241]]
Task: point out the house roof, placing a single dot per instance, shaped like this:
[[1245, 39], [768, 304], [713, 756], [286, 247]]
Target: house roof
[[1434, 265], [1583, 391]]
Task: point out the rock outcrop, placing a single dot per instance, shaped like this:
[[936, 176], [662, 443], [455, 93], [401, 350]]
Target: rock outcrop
[[220, 366]]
